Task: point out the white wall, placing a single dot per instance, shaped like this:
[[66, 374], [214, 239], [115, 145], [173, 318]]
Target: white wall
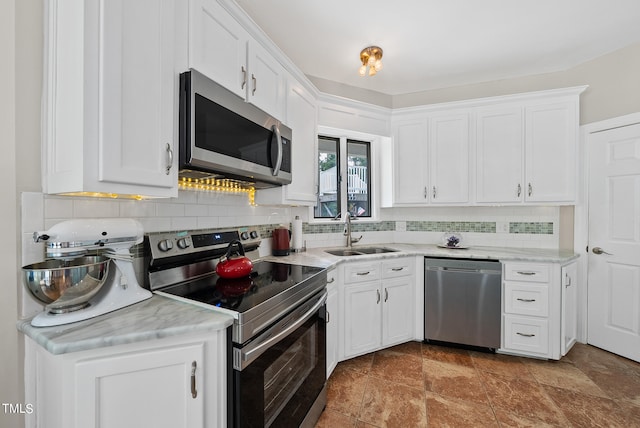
[[10, 355]]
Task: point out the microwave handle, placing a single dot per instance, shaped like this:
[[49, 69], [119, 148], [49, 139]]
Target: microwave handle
[[276, 168]]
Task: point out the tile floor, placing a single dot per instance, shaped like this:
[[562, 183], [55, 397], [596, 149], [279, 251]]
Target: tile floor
[[419, 385]]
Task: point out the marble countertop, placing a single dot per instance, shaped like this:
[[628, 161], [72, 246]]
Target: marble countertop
[[319, 256], [154, 318], [161, 317]]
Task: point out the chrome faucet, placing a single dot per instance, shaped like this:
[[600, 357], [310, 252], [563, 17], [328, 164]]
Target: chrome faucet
[[347, 231]]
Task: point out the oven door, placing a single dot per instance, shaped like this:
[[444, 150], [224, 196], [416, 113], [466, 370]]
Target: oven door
[[279, 375]]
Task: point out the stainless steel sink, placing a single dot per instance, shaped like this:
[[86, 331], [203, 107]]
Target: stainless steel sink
[[360, 251]]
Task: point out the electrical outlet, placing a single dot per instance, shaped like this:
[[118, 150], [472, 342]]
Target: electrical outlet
[[502, 226]]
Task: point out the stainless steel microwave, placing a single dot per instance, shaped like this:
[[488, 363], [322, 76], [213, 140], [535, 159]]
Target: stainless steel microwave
[[222, 136]]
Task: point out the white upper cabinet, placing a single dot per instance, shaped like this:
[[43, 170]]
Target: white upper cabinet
[[218, 45], [449, 160], [527, 153], [503, 150], [223, 50], [110, 97], [551, 138], [410, 163], [499, 154]]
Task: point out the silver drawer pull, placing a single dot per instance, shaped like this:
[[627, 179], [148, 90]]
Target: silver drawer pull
[[526, 300], [520, 272], [525, 334], [363, 273], [378, 293], [330, 281], [328, 317], [397, 269]]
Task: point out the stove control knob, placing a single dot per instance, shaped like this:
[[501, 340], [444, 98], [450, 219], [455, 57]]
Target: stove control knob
[[244, 236], [165, 245], [254, 234], [183, 243]]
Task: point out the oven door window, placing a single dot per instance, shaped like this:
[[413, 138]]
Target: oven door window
[[280, 386]]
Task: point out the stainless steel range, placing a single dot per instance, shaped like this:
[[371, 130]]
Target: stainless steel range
[[277, 367]]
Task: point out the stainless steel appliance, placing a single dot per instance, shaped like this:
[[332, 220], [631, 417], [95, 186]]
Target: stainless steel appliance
[[222, 136], [77, 286], [462, 301], [277, 363]]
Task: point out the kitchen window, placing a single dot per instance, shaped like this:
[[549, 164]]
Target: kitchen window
[[344, 178]]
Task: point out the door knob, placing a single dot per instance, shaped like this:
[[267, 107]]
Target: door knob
[[598, 250]]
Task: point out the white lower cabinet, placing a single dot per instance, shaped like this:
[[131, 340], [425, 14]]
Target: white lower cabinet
[[378, 300], [333, 321], [174, 382], [539, 317]]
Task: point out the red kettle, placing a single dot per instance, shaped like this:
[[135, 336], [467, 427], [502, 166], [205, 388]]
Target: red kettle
[[237, 266]]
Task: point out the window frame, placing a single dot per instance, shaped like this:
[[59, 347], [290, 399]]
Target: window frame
[[343, 135]]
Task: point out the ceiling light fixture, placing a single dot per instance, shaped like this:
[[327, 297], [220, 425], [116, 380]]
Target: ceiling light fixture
[[371, 58]]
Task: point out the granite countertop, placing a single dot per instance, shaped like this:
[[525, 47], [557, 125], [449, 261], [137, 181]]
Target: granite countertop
[[154, 318], [319, 256]]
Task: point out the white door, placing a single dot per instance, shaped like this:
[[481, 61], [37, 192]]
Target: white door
[[410, 162], [449, 160], [614, 241]]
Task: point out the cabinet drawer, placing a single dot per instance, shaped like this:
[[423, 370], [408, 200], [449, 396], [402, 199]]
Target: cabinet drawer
[[526, 299], [361, 272], [531, 272], [397, 267], [526, 334]]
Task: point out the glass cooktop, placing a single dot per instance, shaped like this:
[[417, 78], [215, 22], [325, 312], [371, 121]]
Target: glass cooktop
[[266, 281]]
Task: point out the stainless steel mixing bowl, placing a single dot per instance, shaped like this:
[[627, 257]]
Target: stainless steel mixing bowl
[[66, 284]]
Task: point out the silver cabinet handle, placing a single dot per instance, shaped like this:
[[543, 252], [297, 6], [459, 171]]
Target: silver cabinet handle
[[331, 281], [530, 189], [363, 273], [527, 273], [169, 158], [519, 189], [328, 316], [434, 192], [244, 77], [378, 293], [194, 392], [525, 334], [386, 295], [526, 300], [255, 84], [568, 280], [425, 192], [598, 250], [397, 269]]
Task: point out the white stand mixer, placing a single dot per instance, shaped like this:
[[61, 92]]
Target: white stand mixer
[[114, 238]]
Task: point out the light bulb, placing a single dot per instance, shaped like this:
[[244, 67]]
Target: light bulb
[[371, 61], [378, 65], [363, 70], [372, 71]]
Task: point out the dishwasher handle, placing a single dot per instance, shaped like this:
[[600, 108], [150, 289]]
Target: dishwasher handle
[[463, 270]]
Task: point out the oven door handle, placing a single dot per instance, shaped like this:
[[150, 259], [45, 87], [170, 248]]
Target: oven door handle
[[245, 356]]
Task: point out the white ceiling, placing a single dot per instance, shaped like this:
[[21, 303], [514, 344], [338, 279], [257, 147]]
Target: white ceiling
[[432, 44]]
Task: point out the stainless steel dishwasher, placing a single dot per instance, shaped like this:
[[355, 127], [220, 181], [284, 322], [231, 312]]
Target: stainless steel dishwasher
[[462, 301]]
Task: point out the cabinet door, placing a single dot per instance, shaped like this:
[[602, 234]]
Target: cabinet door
[[411, 170], [569, 315], [302, 119], [397, 310], [137, 89], [449, 158], [141, 389], [332, 322], [362, 318], [499, 155], [265, 85], [218, 45], [550, 158]]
